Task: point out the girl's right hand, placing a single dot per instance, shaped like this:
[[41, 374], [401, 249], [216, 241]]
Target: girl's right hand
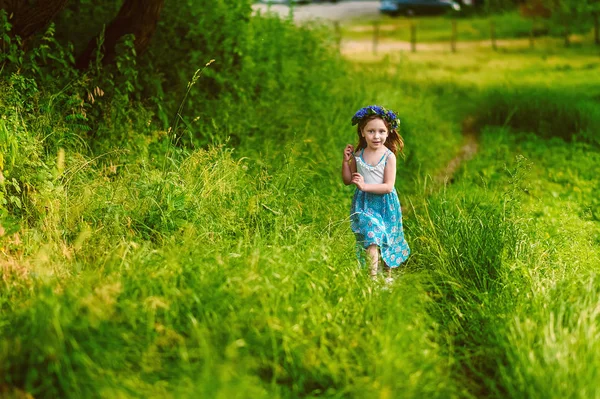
[[348, 151]]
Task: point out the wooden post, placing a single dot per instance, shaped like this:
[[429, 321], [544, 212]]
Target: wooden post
[[596, 28], [531, 33], [375, 36], [338, 35], [413, 37], [454, 35], [493, 35]]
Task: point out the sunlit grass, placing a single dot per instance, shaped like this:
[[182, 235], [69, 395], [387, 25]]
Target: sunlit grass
[[554, 266], [548, 69], [573, 69]]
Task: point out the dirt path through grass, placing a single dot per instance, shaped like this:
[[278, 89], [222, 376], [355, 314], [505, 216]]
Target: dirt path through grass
[[467, 152], [350, 47]]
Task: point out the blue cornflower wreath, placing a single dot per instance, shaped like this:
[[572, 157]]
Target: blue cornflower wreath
[[386, 114]]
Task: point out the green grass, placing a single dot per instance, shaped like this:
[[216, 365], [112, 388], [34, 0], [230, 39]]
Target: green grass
[[509, 25], [573, 71], [552, 267], [252, 291], [435, 29], [229, 270]]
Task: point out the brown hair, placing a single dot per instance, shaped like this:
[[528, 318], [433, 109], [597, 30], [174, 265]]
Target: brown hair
[[394, 141]]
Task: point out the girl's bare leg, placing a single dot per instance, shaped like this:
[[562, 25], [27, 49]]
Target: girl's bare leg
[[387, 270], [373, 253]]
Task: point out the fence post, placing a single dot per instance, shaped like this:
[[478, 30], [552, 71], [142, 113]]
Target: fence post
[[531, 33], [454, 35], [596, 28], [493, 35], [375, 35], [338, 35], [413, 37]]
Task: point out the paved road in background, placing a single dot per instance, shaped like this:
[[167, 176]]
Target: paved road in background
[[325, 11]]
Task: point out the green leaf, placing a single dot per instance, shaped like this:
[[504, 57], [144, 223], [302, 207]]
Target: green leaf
[[15, 201]]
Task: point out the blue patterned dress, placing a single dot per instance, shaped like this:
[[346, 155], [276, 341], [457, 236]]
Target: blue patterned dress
[[377, 218]]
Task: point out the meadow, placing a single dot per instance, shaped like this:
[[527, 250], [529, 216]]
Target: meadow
[[471, 26], [196, 242]]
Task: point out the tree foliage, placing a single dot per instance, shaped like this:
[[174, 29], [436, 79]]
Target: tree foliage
[[28, 18], [572, 10], [136, 17]]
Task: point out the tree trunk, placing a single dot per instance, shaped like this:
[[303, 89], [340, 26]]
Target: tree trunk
[[28, 17], [137, 17]]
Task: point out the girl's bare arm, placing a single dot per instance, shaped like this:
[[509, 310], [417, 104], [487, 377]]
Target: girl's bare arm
[[348, 164]]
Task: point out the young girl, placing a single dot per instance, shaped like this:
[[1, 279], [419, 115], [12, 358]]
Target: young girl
[[376, 218]]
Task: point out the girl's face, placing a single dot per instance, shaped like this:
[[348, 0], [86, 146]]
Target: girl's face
[[375, 133]]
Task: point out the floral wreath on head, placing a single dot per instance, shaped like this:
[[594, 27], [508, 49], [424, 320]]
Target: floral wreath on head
[[386, 114]]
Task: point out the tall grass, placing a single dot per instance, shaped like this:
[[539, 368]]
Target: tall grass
[[549, 265], [212, 283], [546, 112]]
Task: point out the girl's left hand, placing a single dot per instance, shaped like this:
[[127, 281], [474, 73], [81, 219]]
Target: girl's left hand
[[358, 180]]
